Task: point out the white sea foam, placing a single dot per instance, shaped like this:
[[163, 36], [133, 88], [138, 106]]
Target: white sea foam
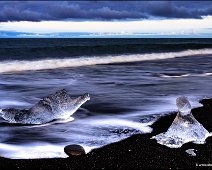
[[185, 75], [35, 150], [90, 133], [54, 122], [15, 66], [43, 150], [174, 76], [203, 74], [143, 127]]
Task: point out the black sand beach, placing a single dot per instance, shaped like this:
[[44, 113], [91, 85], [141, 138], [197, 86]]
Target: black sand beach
[[136, 152]]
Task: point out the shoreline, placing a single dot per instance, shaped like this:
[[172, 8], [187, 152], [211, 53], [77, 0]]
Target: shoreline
[[135, 152]]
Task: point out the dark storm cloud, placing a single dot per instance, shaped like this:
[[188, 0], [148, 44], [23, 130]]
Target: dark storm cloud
[[172, 10], [101, 10]]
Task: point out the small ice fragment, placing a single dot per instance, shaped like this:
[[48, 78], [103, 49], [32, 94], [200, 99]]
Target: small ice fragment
[[185, 128], [191, 152]]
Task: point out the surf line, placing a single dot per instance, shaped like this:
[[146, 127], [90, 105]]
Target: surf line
[[24, 65]]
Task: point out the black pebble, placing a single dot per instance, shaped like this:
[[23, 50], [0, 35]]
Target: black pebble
[[74, 150]]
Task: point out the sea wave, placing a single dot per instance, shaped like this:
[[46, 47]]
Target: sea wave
[[173, 75], [24, 65], [178, 75], [204, 74]]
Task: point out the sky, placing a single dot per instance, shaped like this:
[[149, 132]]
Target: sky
[[105, 19]]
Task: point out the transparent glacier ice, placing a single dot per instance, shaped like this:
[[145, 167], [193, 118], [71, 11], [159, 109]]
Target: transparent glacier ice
[[185, 128], [52, 107]]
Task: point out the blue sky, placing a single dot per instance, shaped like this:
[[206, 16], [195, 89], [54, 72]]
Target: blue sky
[[105, 19]]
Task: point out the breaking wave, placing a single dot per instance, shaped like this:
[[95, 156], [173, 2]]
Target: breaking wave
[[204, 74], [173, 75], [178, 75], [24, 65]]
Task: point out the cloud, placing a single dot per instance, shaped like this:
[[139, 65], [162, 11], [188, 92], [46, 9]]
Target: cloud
[[144, 26], [169, 9], [101, 10]]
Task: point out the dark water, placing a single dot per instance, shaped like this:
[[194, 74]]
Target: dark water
[[130, 81], [30, 49]]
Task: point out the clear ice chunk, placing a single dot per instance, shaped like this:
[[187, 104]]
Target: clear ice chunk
[[185, 128], [55, 106]]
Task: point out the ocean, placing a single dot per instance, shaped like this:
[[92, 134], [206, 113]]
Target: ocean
[[131, 82]]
